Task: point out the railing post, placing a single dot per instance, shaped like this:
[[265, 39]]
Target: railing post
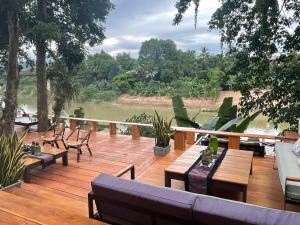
[[112, 129], [233, 142], [179, 140], [73, 124], [93, 126], [190, 138], [135, 132]]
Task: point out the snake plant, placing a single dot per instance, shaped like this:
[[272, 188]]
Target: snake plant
[[162, 131], [11, 159]]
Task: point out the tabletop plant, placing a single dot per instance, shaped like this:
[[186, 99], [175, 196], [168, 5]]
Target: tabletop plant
[[11, 159]]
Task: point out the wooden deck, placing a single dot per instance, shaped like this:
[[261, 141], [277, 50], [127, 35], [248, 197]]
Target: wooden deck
[[67, 187]]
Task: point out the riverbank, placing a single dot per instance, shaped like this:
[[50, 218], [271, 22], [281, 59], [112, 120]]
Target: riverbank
[[206, 104]]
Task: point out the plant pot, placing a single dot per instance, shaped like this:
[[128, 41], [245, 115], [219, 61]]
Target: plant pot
[[161, 151], [17, 184], [290, 134]]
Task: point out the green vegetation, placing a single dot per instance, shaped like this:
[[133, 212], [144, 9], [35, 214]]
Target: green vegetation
[[160, 70], [11, 159], [263, 41], [226, 120], [162, 131], [142, 118]]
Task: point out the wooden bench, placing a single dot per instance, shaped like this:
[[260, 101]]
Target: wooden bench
[[32, 162], [182, 165], [234, 172]]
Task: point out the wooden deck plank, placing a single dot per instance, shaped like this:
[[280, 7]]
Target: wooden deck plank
[[112, 154]]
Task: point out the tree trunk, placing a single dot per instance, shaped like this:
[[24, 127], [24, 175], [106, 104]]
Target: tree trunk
[[42, 96], [11, 102]]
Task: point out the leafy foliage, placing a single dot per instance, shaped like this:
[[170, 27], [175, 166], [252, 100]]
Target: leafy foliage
[[142, 118], [11, 159], [263, 38], [227, 119], [162, 130]]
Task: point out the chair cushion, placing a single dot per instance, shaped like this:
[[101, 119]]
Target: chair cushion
[[212, 211], [143, 197]]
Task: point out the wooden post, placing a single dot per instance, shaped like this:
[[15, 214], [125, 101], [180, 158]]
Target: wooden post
[[93, 126], [179, 140], [135, 132], [234, 142], [190, 138], [73, 124], [112, 129]]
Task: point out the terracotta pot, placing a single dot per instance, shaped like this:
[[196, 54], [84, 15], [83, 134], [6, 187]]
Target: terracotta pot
[[290, 134]]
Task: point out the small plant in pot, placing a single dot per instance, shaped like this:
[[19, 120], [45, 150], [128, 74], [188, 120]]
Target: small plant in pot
[[213, 145], [162, 133], [11, 161]]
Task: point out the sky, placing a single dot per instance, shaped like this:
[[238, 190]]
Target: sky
[[135, 21]]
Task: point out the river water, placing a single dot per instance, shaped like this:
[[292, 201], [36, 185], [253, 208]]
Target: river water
[[120, 112]]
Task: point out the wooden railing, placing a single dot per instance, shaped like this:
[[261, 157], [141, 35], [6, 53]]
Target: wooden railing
[[182, 135]]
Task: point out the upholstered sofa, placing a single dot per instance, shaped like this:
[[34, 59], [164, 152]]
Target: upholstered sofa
[[121, 201], [288, 171]]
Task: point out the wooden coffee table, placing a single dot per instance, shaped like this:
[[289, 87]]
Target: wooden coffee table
[[33, 162], [179, 169], [234, 172]]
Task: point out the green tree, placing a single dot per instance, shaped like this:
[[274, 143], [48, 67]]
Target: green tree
[[153, 54], [126, 63], [10, 31], [101, 66], [76, 22], [263, 37]]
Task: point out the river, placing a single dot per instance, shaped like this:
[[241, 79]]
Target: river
[[120, 112]]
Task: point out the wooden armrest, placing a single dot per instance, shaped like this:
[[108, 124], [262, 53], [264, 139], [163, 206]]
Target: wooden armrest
[[125, 170], [296, 179]]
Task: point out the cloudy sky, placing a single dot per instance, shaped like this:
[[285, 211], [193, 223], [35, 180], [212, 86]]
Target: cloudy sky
[[134, 21]]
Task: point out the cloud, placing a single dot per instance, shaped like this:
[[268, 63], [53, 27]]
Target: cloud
[[134, 21]]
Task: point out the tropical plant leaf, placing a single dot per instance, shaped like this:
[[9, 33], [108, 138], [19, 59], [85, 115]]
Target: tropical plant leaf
[[187, 122], [226, 112], [180, 112], [231, 124], [245, 123], [210, 124]]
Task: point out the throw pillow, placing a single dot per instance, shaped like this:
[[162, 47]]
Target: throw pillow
[[296, 148]]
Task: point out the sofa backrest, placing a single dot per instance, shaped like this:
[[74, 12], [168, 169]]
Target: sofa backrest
[[123, 201], [130, 202], [209, 210]]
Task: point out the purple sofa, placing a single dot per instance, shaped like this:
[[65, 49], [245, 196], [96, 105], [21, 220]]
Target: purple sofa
[[121, 201]]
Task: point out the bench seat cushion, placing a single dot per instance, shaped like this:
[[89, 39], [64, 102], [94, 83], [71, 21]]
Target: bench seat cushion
[[212, 211], [287, 163], [135, 200]]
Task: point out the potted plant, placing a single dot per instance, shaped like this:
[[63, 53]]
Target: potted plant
[[207, 157], [11, 154], [213, 145], [162, 133]]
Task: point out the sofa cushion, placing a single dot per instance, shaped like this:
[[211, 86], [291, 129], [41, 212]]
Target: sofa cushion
[[287, 163], [296, 148], [143, 197], [210, 211]]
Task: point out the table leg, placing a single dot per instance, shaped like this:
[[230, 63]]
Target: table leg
[[26, 175], [65, 159], [186, 183], [167, 180], [245, 194]]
